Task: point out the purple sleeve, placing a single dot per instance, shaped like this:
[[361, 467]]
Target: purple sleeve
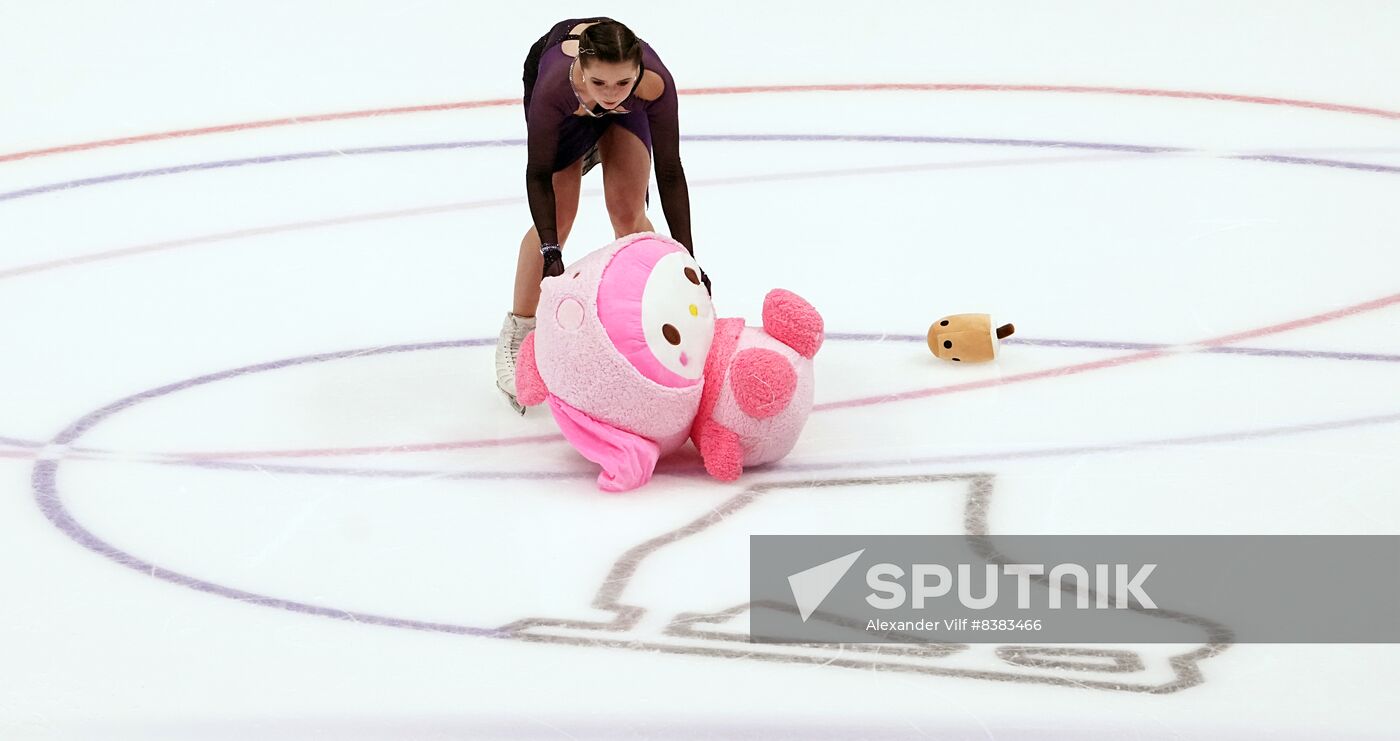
[[664, 121], [543, 123]]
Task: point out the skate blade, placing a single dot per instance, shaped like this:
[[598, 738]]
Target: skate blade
[[520, 409]]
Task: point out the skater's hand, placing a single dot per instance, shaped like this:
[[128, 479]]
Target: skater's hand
[[704, 279]]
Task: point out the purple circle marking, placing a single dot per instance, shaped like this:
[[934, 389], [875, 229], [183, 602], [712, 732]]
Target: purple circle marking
[[847, 138], [47, 495], [832, 336]]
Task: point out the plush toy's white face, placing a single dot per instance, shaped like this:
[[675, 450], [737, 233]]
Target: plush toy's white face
[[678, 319]]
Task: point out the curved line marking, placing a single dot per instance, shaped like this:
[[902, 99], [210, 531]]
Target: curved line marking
[[731, 90]]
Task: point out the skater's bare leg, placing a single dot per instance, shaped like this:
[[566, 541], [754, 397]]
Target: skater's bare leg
[[626, 173]]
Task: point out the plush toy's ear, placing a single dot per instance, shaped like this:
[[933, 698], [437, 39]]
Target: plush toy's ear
[[529, 386], [792, 321]]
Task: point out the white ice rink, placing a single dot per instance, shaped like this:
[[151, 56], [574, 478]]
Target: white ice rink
[[256, 480]]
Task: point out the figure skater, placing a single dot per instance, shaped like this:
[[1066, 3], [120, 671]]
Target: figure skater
[[594, 94]]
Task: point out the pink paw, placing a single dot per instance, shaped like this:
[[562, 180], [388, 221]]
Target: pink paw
[[789, 319], [529, 386], [719, 446], [763, 382]]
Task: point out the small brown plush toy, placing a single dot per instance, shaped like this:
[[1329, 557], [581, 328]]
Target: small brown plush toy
[[967, 338]]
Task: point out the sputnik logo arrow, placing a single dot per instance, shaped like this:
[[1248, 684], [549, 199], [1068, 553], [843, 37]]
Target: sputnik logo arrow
[[811, 587]]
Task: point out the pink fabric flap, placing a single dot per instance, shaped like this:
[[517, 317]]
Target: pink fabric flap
[[628, 460]]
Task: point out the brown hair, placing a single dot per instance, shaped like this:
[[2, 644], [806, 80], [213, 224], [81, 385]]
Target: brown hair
[[609, 41]]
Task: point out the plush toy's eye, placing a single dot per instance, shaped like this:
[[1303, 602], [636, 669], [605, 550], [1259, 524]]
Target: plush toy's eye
[[691, 276], [947, 344], [943, 323], [958, 359], [671, 334]]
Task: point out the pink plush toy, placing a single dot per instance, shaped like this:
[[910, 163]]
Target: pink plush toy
[[628, 355], [758, 386], [618, 352]]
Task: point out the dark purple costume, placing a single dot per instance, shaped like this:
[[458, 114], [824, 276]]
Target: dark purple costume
[[558, 137]]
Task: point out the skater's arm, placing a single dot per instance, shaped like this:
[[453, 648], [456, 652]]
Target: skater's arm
[[664, 120], [543, 124]]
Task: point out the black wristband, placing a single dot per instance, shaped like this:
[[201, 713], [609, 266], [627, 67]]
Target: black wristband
[[553, 260]]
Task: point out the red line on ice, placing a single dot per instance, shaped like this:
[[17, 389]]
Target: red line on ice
[[731, 90]]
